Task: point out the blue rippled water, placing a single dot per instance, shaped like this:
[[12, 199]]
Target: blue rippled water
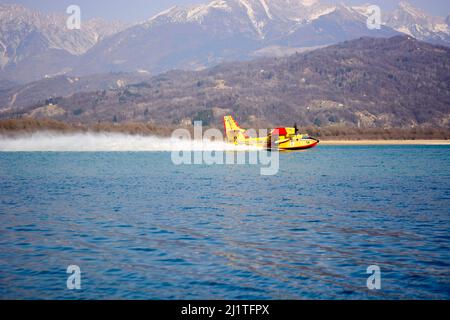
[[140, 227]]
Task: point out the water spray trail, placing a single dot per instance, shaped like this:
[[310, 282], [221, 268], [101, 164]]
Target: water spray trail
[[105, 142]]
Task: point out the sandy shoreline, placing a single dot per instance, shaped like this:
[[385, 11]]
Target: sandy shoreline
[[383, 142]]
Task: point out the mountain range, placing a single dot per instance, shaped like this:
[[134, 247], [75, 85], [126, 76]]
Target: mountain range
[[35, 45], [368, 82]]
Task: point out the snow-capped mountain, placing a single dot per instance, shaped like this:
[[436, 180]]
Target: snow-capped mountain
[[416, 23], [33, 44], [256, 18], [200, 36]]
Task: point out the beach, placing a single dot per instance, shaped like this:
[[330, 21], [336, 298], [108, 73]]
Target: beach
[[384, 142]]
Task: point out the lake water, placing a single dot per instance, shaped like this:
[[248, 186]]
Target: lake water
[[140, 227]]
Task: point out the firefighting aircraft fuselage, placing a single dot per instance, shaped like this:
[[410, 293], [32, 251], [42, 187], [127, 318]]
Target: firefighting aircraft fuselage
[[279, 139]]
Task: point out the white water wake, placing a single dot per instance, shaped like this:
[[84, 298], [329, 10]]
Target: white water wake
[[108, 142]]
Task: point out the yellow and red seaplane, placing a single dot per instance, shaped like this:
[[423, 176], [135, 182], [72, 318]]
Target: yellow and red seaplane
[[279, 138]]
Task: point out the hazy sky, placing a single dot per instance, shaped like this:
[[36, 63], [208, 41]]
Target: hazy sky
[[138, 10]]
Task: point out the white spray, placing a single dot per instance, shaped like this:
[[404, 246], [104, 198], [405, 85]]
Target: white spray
[[105, 142]]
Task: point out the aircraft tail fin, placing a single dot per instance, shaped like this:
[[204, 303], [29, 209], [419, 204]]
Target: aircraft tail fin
[[233, 132]]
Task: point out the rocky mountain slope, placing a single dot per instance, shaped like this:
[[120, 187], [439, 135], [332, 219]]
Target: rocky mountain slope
[[368, 82], [225, 30], [416, 23], [13, 96], [34, 45]]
